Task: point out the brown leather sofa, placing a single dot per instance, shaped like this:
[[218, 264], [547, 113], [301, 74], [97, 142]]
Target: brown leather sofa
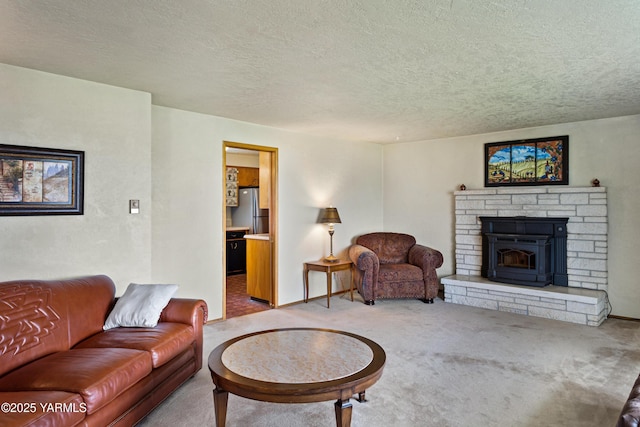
[[630, 414], [392, 265], [59, 368]]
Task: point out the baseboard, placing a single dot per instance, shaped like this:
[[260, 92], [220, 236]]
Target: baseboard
[[613, 316]]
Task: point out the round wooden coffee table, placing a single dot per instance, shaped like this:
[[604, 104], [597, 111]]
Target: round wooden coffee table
[[295, 365]]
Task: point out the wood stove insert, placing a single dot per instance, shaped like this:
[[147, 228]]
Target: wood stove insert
[[525, 250]]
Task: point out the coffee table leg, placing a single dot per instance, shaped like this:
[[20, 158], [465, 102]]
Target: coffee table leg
[[220, 399], [343, 413]]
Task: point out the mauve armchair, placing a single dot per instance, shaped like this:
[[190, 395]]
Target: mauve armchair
[[392, 265]]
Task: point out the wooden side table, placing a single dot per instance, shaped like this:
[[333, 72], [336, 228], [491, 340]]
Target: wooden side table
[[328, 268]]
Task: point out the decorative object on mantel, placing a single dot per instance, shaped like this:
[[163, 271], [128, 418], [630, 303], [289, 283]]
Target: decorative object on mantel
[[330, 216], [41, 181], [231, 187], [463, 187], [595, 182], [540, 161]]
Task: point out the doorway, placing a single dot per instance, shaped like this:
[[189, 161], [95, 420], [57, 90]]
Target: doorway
[[250, 265]]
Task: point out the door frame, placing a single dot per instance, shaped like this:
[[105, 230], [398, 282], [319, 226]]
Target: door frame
[[273, 217]]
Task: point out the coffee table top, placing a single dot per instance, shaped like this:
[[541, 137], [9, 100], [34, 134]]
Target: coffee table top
[[311, 356], [297, 364]]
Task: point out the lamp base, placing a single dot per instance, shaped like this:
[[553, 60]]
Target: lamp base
[[331, 258]]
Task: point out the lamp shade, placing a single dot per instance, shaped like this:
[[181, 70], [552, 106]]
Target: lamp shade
[[330, 216]]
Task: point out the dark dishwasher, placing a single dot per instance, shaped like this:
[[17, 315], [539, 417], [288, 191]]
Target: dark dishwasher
[[236, 253]]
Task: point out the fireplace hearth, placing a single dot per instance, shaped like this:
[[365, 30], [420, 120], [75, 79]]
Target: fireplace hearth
[[523, 250]]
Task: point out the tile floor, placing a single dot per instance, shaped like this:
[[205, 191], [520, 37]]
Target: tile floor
[[238, 301]]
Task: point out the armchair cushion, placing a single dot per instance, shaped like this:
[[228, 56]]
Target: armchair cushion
[[399, 273]]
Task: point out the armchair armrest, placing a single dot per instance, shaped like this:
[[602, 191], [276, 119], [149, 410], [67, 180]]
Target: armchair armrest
[[428, 260], [363, 258], [425, 257], [366, 265]]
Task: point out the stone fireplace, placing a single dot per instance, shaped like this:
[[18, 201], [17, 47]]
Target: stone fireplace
[[576, 295]]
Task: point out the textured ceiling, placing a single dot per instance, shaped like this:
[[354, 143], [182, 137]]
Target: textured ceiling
[[368, 70]]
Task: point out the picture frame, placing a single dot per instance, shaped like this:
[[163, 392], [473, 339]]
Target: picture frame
[[539, 161], [41, 181]]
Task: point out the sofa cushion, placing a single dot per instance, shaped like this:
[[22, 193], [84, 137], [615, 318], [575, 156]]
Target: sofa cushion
[[97, 374], [140, 306], [164, 342], [391, 248], [41, 408]]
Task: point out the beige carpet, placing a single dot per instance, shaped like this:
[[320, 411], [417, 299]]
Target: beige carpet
[[447, 365]]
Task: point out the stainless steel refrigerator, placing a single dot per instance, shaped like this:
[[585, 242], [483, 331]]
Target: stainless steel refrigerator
[[248, 212]]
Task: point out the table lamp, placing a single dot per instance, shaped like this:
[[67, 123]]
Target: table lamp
[[330, 216]]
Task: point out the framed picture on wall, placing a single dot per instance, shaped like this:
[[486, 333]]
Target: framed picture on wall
[[540, 161], [40, 181]]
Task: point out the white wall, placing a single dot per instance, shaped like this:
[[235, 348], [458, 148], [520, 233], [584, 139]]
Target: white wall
[[115, 127], [188, 233], [244, 160], [420, 179], [112, 125]]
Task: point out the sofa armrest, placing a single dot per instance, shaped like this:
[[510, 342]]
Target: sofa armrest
[[182, 310], [425, 257], [193, 312]]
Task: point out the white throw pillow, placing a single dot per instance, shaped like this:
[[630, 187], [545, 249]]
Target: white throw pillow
[[140, 306]]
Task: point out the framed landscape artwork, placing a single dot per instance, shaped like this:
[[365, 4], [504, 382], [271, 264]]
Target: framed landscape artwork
[[541, 161], [40, 181]]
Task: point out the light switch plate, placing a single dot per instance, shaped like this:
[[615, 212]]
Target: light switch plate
[[134, 206]]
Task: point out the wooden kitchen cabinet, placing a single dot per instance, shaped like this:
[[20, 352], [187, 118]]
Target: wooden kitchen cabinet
[[248, 177], [265, 180], [259, 268]]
